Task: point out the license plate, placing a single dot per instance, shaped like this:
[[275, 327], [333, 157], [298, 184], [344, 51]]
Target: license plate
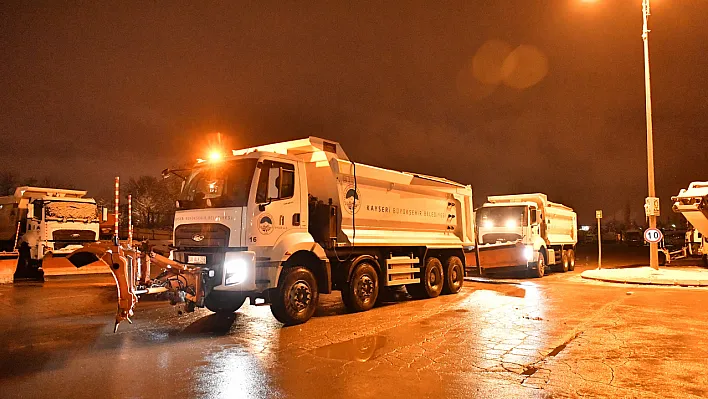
[[197, 259]]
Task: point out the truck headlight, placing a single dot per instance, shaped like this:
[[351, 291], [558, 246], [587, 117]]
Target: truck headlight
[[235, 271], [528, 253]]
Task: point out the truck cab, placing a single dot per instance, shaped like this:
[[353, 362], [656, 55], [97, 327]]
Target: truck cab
[[510, 223], [50, 222], [240, 213], [56, 226]]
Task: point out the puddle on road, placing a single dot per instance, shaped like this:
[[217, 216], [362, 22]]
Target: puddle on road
[[358, 349], [506, 290]]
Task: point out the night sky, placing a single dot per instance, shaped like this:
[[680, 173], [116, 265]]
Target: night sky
[[509, 96]]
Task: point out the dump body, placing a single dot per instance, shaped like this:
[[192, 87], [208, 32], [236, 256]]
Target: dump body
[[518, 230], [382, 207]]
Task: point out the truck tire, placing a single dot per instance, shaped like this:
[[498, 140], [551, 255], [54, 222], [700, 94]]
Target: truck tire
[[431, 280], [662, 258], [454, 275], [295, 299], [224, 302], [565, 262], [540, 267], [362, 290], [571, 259]]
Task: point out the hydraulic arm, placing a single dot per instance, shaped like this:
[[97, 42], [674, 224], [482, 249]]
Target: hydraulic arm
[[131, 271]]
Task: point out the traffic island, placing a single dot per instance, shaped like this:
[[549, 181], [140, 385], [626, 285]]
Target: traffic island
[[683, 277]]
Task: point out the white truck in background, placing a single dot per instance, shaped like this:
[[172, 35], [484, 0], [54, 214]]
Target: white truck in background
[[282, 223], [45, 222], [526, 231], [692, 203]]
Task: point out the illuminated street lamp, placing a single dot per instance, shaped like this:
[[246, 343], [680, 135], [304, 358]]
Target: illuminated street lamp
[[653, 247]]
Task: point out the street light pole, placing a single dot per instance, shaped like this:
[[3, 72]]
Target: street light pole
[[653, 247]]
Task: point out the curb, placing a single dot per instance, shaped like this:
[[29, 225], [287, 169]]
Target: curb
[[648, 281]]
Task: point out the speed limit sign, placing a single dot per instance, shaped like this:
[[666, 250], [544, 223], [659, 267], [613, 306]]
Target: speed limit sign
[[653, 235]]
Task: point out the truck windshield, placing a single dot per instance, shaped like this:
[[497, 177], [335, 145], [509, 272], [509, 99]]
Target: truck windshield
[[67, 210], [219, 185], [502, 216]]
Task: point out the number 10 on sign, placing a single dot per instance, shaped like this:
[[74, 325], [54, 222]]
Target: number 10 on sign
[[653, 235]]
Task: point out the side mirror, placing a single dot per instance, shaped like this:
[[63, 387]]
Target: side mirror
[[261, 207], [104, 214]]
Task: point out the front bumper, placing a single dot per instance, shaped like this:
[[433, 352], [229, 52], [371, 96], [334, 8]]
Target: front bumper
[[222, 268]]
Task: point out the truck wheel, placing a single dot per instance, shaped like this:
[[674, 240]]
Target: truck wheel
[[431, 280], [362, 290], [565, 262], [224, 302], [571, 260], [662, 258], [541, 266], [454, 275], [295, 299]]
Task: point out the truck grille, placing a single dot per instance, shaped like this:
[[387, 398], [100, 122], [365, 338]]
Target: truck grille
[[202, 235], [62, 238]]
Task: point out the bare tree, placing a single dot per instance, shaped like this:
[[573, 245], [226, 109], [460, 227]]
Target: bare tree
[[153, 200], [8, 183]]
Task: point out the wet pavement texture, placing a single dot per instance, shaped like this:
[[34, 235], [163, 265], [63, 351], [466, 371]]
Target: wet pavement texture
[[559, 336]]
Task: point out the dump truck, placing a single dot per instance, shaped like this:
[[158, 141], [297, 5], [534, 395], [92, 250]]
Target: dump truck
[[36, 223], [692, 203], [525, 231], [280, 224]]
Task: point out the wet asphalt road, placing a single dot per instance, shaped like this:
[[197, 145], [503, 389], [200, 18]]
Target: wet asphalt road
[[560, 336]]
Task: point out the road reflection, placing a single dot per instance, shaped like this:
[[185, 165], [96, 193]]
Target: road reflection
[[512, 334], [240, 369], [359, 349]]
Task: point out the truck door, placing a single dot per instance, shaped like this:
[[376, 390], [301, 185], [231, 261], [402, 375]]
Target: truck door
[[534, 222], [277, 203]]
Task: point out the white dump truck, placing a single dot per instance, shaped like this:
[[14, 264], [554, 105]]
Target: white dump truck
[[526, 231], [692, 203], [282, 223], [40, 222]]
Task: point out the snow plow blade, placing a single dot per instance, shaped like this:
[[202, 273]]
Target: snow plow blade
[[497, 256], [9, 255], [122, 264], [131, 271]]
